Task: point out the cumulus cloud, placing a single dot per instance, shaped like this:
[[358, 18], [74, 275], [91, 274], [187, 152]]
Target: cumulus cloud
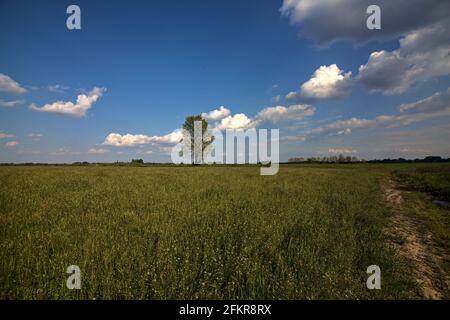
[[11, 143], [281, 113], [79, 109], [327, 82], [385, 72], [237, 121], [326, 21], [131, 140], [9, 85], [424, 45], [10, 104], [292, 96], [273, 114], [423, 54], [127, 140], [216, 114]]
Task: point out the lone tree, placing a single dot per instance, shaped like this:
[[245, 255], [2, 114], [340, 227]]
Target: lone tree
[[204, 138]]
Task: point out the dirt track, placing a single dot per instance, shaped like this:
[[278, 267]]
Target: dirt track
[[417, 246]]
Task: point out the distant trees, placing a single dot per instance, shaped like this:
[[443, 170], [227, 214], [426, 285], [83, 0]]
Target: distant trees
[[433, 159], [347, 159], [330, 159], [427, 159], [137, 161]]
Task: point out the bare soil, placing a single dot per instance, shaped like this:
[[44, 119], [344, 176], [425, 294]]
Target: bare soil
[[415, 244]]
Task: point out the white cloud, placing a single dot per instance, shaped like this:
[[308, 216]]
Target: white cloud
[[171, 138], [341, 150], [217, 114], [237, 121], [127, 140], [327, 82], [83, 104], [292, 96], [97, 151], [281, 113], [422, 26], [434, 106], [274, 114], [131, 140], [11, 143], [9, 85], [10, 104], [423, 54]]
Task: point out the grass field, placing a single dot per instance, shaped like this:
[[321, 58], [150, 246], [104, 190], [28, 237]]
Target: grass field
[[309, 232]]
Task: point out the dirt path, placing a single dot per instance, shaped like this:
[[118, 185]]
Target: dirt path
[[416, 245]]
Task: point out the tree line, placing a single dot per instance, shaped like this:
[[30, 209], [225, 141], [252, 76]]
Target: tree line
[[352, 159]]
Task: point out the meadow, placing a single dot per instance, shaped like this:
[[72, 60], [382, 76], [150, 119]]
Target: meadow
[[309, 232]]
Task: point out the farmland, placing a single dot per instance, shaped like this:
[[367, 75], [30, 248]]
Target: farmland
[[309, 232]]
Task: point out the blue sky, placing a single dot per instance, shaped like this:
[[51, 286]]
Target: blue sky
[[143, 66]]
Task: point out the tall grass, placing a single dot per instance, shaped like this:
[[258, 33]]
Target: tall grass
[[194, 233], [433, 179]]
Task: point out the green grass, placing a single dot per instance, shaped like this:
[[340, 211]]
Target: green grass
[[433, 179], [195, 233]]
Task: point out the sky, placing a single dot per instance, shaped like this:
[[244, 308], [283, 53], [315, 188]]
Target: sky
[[121, 86]]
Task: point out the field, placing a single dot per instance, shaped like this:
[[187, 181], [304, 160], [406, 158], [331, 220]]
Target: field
[[309, 232]]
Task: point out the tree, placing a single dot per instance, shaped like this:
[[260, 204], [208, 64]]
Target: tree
[[137, 161], [206, 139]]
